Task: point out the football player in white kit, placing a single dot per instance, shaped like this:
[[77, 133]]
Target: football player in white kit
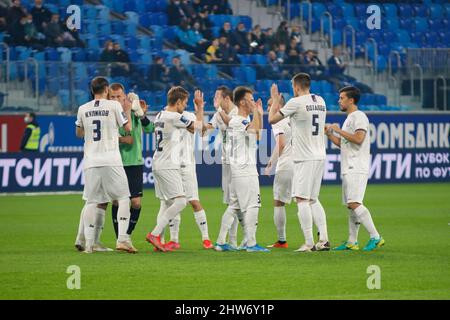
[[223, 102], [354, 142], [189, 177], [244, 193], [166, 159], [98, 122], [282, 183], [307, 113]]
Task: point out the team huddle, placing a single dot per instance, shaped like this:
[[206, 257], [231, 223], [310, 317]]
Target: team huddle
[[112, 124]]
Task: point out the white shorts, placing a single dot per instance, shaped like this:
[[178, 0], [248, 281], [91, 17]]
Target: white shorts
[[354, 187], [105, 184], [282, 186], [168, 184], [189, 177], [226, 182], [307, 179], [244, 193]]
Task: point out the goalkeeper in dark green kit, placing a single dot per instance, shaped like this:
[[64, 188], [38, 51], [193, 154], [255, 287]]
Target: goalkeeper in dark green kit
[[131, 152]]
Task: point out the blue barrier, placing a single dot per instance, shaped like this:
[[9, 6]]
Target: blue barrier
[[404, 147]]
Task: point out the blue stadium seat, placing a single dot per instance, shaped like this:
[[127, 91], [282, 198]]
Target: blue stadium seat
[[420, 24], [335, 10], [352, 21], [89, 12], [65, 54], [64, 98], [104, 28], [263, 85], [326, 86], [436, 24], [117, 27], [436, 11], [348, 10], [420, 10], [405, 11], [130, 5], [78, 54], [102, 12], [161, 5], [361, 10], [316, 87], [51, 54], [81, 97], [260, 59], [390, 10], [318, 9], [118, 39], [247, 21], [131, 42], [406, 23], [132, 16], [391, 24]]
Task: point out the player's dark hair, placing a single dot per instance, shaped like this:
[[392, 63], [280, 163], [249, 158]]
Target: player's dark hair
[[117, 86], [99, 85], [175, 94], [352, 93], [226, 92], [32, 115], [302, 79], [239, 94]]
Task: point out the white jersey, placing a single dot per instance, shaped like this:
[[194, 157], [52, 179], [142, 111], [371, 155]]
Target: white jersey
[[217, 122], [355, 158], [187, 156], [242, 148], [307, 118], [168, 126], [285, 160], [101, 120]]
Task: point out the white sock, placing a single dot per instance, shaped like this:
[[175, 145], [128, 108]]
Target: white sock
[[80, 235], [320, 219], [279, 218], [202, 223], [162, 207], [353, 226], [251, 224], [89, 223], [123, 219], [177, 206], [241, 219], [306, 221], [233, 231], [174, 227], [99, 223], [227, 220], [366, 219]]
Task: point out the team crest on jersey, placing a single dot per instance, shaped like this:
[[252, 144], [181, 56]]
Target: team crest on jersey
[[184, 120], [245, 122]]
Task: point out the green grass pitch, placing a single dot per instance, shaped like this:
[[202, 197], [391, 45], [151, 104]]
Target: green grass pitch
[[37, 235]]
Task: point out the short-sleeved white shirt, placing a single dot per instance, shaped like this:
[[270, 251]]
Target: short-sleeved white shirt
[[101, 120], [217, 122], [168, 126], [243, 144], [187, 156], [355, 158], [283, 127], [307, 115]]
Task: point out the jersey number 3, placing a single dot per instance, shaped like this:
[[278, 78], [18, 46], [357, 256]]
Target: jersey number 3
[[97, 130]]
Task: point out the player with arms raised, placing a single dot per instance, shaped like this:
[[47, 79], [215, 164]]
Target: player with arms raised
[[307, 114], [166, 160], [354, 142]]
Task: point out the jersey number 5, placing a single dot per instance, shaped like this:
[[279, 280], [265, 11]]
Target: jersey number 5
[[97, 130], [315, 117]]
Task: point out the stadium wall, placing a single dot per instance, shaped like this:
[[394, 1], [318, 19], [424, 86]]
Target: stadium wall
[[405, 147]]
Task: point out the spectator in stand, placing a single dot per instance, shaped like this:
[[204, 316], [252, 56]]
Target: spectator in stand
[[33, 38], [41, 15], [273, 70], [205, 24], [296, 34], [72, 36], [269, 40], [219, 7], [241, 39], [213, 54], [282, 34], [158, 75], [3, 18], [227, 54], [107, 54], [183, 36], [313, 65], [226, 32], [198, 6], [121, 65], [257, 40], [17, 32], [188, 9], [201, 43], [175, 13], [54, 32], [293, 61], [179, 76], [294, 45], [15, 13], [31, 135], [281, 53]]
